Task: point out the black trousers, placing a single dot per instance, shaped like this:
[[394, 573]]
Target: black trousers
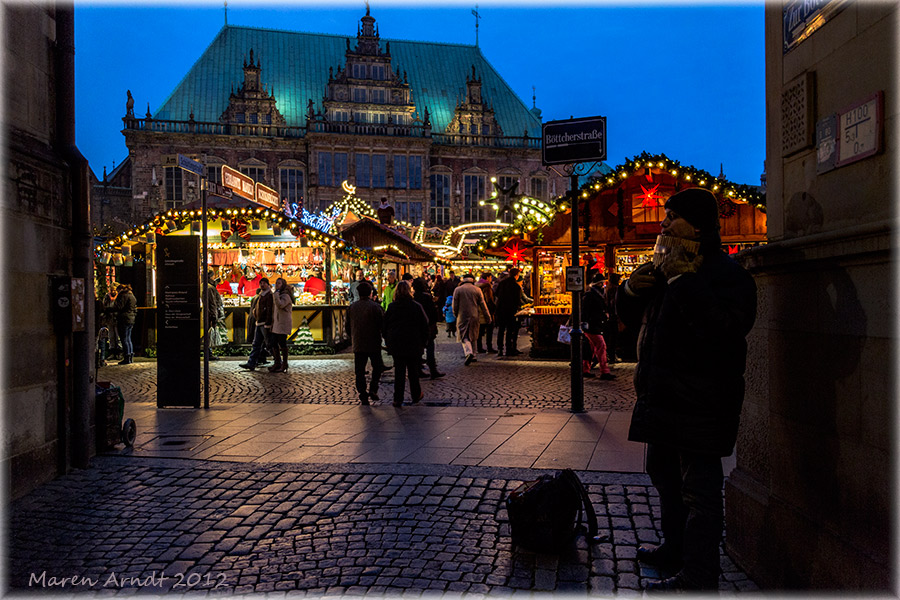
[[508, 328], [692, 508], [403, 366], [360, 359], [486, 332], [430, 359]]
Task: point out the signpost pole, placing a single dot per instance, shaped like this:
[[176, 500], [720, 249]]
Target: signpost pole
[[205, 267], [575, 142], [577, 373]]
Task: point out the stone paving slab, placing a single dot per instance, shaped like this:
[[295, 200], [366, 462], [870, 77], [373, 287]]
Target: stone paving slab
[[130, 525]]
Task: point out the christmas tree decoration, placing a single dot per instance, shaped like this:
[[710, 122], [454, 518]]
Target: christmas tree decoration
[[304, 337]]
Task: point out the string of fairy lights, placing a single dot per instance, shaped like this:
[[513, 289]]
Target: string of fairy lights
[[174, 220], [527, 221]]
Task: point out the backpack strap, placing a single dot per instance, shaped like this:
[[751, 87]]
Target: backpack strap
[[590, 513]]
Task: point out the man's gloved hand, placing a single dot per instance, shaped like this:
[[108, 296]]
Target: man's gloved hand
[[642, 279], [680, 261]]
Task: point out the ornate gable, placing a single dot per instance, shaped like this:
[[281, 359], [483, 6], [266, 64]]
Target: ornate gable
[[366, 91], [252, 104], [473, 116]]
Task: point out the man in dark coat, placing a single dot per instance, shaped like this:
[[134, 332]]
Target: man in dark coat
[[365, 320], [695, 312], [406, 335], [126, 307], [509, 300], [424, 297]]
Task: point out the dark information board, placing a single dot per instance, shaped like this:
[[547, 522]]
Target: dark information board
[[178, 321]]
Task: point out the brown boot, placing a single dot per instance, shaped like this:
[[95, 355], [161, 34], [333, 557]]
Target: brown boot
[[276, 356]]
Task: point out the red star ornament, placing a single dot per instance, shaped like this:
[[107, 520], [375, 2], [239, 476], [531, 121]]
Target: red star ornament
[[514, 253]]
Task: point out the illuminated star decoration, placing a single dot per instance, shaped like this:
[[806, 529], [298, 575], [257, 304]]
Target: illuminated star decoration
[[514, 253], [505, 198], [650, 197]]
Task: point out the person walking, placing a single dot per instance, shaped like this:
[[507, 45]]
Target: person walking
[[486, 322], [263, 316], [594, 316], [406, 335], [509, 299], [365, 321], [468, 304], [387, 293], [449, 317], [251, 330], [283, 301], [424, 297], [126, 313], [695, 310]]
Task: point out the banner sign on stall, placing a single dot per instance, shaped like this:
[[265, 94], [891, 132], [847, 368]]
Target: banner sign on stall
[[574, 141], [239, 183], [267, 197], [178, 321]]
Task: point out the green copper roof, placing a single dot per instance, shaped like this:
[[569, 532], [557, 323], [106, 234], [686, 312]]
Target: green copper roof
[[295, 65]]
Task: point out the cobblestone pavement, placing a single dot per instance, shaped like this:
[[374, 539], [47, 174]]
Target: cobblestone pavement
[[130, 525], [515, 383]]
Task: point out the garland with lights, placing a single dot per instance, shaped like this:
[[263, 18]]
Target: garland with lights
[[731, 194], [237, 218]]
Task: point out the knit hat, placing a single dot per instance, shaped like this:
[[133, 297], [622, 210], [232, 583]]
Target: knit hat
[[700, 208]]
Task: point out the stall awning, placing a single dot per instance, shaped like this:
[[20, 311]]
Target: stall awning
[[381, 239]]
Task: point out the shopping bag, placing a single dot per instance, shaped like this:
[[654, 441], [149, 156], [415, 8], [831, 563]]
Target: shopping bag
[[565, 334]]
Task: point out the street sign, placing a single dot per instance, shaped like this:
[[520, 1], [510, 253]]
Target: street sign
[[574, 279], [574, 141], [239, 183], [191, 165], [267, 197]]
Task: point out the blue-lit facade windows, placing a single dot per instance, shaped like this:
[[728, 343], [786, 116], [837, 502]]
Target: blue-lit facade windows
[[474, 192], [439, 199], [174, 188], [379, 170], [333, 168], [408, 211], [363, 170], [291, 189], [407, 172]]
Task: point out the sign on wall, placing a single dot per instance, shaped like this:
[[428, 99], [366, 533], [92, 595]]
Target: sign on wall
[[267, 197], [859, 130], [802, 18]]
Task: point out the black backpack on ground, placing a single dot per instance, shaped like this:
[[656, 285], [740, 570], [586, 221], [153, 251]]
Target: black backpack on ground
[[543, 514]]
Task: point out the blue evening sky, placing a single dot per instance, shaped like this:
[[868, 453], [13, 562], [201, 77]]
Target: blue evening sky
[[683, 80]]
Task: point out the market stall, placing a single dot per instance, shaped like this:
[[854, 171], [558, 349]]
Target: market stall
[[245, 244], [620, 218]]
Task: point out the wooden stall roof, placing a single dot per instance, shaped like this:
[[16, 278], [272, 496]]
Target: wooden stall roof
[[630, 213], [370, 234]]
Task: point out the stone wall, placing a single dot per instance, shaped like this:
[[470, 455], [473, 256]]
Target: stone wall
[[37, 245], [811, 502]]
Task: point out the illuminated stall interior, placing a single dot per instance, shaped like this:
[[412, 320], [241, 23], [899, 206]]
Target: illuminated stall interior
[[620, 216], [247, 243]]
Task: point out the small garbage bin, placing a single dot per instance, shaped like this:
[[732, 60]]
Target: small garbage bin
[[110, 410]]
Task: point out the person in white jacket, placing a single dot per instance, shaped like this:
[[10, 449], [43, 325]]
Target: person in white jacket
[[281, 325]]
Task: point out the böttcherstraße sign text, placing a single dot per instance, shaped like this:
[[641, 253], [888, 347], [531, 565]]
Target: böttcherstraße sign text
[[574, 141]]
